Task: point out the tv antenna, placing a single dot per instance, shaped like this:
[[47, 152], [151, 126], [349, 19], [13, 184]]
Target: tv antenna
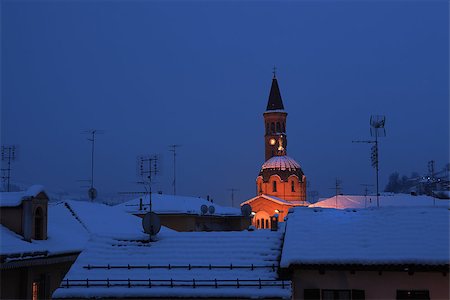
[[366, 192], [8, 155], [173, 148], [337, 187], [148, 168], [92, 192], [232, 190], [377, 129]]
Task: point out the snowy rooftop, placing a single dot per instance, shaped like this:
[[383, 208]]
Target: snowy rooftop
[[198, 260], [389, 200], [276, 200], [394, 235], [171, 204], [281, 163], [65, 235], [10, 199]]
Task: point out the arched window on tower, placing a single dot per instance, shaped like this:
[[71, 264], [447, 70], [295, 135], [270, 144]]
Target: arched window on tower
[[38, 224], [272, 127], [278, 127], [267, 224], [292, 186], [284, 127], [267, 128], [262, 224], [274, 186], [257, 223]]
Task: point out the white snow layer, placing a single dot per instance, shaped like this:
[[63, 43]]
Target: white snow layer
[[10, 199], [261, 248], [404, 200], [172, 204], [394, 235]]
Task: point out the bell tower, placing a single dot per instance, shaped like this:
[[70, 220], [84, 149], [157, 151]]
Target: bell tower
[[274, 122]]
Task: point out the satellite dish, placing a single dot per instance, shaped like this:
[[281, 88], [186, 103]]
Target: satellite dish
[[204, 209], [151, 223], [92, 193], [246, 210], [211, 209]]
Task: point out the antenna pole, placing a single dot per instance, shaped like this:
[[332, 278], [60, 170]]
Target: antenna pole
[[377, 168], [8, 154], [232, 190], [174, 150]]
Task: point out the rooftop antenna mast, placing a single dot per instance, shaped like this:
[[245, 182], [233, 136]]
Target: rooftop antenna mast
[[148, 166], [92, 192], [377, 123], [173, 148], [337, 187], [232, 190], [8, 155]]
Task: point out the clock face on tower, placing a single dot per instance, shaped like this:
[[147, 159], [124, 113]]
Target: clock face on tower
[[272, 141]]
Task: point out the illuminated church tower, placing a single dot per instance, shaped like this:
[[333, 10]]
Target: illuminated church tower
[[281, 183]]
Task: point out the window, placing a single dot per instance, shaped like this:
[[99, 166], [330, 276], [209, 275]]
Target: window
[[272, 127], [262, 223], [315, 294], [274, 186], [267, 224], [414, 294], [257, 224], [267, 128], [284, 127], [336, 295], [38, 224], [260, 188], [278, 127], [292, 186]]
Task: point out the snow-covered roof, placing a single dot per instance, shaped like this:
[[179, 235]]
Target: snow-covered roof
[[179, 258], [355, 201], [394, 235], [65, 235], [276, 200], [10, 199], [281, 163], [171, 204]]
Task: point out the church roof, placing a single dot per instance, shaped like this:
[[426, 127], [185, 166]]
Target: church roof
[[275, 102], [281, 163]]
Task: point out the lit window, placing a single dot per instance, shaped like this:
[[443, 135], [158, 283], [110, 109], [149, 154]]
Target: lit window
[[35, 291]]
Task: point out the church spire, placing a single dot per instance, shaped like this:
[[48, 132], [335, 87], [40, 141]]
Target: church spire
[[275, 102]]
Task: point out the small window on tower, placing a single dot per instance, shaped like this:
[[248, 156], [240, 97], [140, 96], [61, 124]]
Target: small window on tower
[[278, 127], [274, 186], [292, 186], [272, 127], [267, 128], [284, 127]]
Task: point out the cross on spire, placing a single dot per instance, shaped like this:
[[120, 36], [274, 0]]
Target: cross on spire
[[274, 72]]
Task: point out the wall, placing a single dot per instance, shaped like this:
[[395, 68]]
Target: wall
[[11, 217], [376, 286], [16, 283]]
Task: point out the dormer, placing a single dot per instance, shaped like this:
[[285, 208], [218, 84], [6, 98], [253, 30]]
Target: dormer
[[25, 212]]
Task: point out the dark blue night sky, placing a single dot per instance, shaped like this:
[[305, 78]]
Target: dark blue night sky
[[198, 74]]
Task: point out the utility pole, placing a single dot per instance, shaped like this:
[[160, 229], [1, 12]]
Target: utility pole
[[173, 148], [8, 155], [366, 192], [232, 195]]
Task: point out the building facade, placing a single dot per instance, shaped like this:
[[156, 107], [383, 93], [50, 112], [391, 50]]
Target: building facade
[[281, 183]]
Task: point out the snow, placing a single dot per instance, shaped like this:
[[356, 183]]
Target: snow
[[389, 200], [387, 235], [65, 235], [281, 163], [11, 199], [241, 248], [171, 204], [276, 200]]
